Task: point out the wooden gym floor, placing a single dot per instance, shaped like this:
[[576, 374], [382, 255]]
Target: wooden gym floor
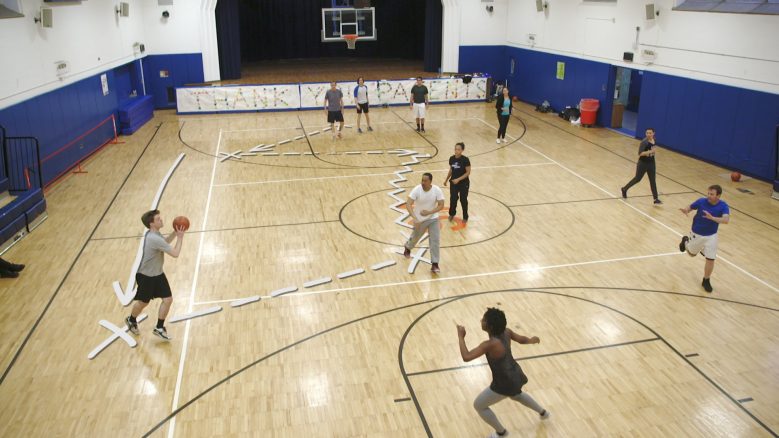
[[630, 343]]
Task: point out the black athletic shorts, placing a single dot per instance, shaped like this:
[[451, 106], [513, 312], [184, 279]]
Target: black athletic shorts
[[150, 288], [335, 116], [362, 108]]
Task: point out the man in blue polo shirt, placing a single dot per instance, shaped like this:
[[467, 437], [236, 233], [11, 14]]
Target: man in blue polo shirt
[[711, 212]]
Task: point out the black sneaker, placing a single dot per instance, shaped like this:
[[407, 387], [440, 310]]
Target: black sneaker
[[406, 253], [132, 326], [451, 218], [658, 202], [624, 192], [418, 128], [8, 274], [423, 129], [162, 333], [707, 285], [435, 269], [683, 243], [369, 128], [359, 130], [16, 268]]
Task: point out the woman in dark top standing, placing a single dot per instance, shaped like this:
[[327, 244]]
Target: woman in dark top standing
[[503, 106], [646, 164], [459, 173], [507, 376]]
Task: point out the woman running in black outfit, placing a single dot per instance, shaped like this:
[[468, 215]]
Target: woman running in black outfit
[[507, 376]]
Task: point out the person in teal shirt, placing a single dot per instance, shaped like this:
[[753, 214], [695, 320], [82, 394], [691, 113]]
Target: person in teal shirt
[[503, 106]]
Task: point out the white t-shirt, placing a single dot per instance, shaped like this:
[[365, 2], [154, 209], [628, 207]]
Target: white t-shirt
[[426, 200]]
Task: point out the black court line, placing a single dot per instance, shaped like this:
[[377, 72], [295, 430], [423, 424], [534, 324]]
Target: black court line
[[538, 356], [220, 230], [345, 324], [398, 400], [591, 200], [658, 173], [692, 355], [400, 241], [744, 400], [544, 291], [78, 256]]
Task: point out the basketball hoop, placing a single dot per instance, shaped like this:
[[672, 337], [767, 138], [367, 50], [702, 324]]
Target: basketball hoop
[[351, 41]]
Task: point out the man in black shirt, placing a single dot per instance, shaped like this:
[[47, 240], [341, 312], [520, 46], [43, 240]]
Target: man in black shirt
[[459, 171], [419, 102], [646, 164]]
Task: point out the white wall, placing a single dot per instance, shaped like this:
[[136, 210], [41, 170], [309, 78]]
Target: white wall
[[734, 49], [88, 35], [482, 28], [190, 28]]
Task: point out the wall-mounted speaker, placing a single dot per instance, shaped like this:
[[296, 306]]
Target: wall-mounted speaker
[[539, 5], [123, 9], [650, 11], [627, 56]]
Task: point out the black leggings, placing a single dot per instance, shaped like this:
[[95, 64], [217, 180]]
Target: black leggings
[[642, 168], [459, 191], [504, 122]]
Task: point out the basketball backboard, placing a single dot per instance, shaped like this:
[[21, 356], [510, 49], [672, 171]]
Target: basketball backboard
[[337, 22]]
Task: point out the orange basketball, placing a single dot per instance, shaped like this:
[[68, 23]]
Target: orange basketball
[[735, 177], [181, 221]]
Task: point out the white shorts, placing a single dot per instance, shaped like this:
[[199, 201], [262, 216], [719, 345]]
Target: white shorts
[[419, 110], [706, 245]]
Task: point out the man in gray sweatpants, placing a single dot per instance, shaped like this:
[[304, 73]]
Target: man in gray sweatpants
[[423, 204]]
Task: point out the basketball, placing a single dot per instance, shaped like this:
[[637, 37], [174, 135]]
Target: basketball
[[181, 221], [735, 176]]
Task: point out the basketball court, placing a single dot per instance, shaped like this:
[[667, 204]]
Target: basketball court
[[295, 312], [630, 343]]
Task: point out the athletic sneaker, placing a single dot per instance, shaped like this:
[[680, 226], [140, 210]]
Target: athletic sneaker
[[505, 141], [658, 202], [8, 274], [132, 326], [423, 129], [497, 435], [624, 192], [359, 130], [497, 141], [418, 129], [406, 253], [369, 128], [683, 243], [707, 285], [161, 332], [545, 414], [435, 269], [451, 218]]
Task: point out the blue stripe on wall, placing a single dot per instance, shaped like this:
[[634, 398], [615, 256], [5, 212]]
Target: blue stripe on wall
[[182, 69], [732, 127]]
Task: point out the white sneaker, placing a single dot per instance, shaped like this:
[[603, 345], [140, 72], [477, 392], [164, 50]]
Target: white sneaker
[[505, 141], [162, 333], [545, 415], [497, 141], [495, 435]]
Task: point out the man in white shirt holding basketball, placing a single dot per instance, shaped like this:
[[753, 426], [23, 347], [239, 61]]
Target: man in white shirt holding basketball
[[423, 204]]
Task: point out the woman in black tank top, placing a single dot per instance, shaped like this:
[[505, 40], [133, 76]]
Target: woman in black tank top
[[507, 376]]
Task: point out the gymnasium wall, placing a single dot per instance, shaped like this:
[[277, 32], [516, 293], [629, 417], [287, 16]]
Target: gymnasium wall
[[712, 90], [87, 35]]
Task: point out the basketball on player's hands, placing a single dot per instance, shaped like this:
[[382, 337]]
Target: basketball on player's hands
[[181, 222], [735, 176]]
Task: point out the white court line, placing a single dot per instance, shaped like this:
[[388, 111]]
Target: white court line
[[182, 359], [368, 174], [375, 123], [483, 274], [657, 221]]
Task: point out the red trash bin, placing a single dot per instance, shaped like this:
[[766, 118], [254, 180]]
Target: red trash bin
[[589, 109]]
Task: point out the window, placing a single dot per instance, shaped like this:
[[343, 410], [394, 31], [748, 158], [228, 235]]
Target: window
[[730, 6]]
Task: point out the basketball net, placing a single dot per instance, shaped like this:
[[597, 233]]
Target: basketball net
[[351, 41]]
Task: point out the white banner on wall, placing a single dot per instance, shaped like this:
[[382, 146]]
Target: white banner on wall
[[312, 95]]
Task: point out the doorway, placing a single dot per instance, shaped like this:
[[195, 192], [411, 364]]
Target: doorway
[[627, 96]]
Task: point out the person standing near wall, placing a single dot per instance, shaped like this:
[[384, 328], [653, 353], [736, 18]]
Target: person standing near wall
[[459, 172], [361, 99], [503, 106], [420, 99], [645, 165]]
